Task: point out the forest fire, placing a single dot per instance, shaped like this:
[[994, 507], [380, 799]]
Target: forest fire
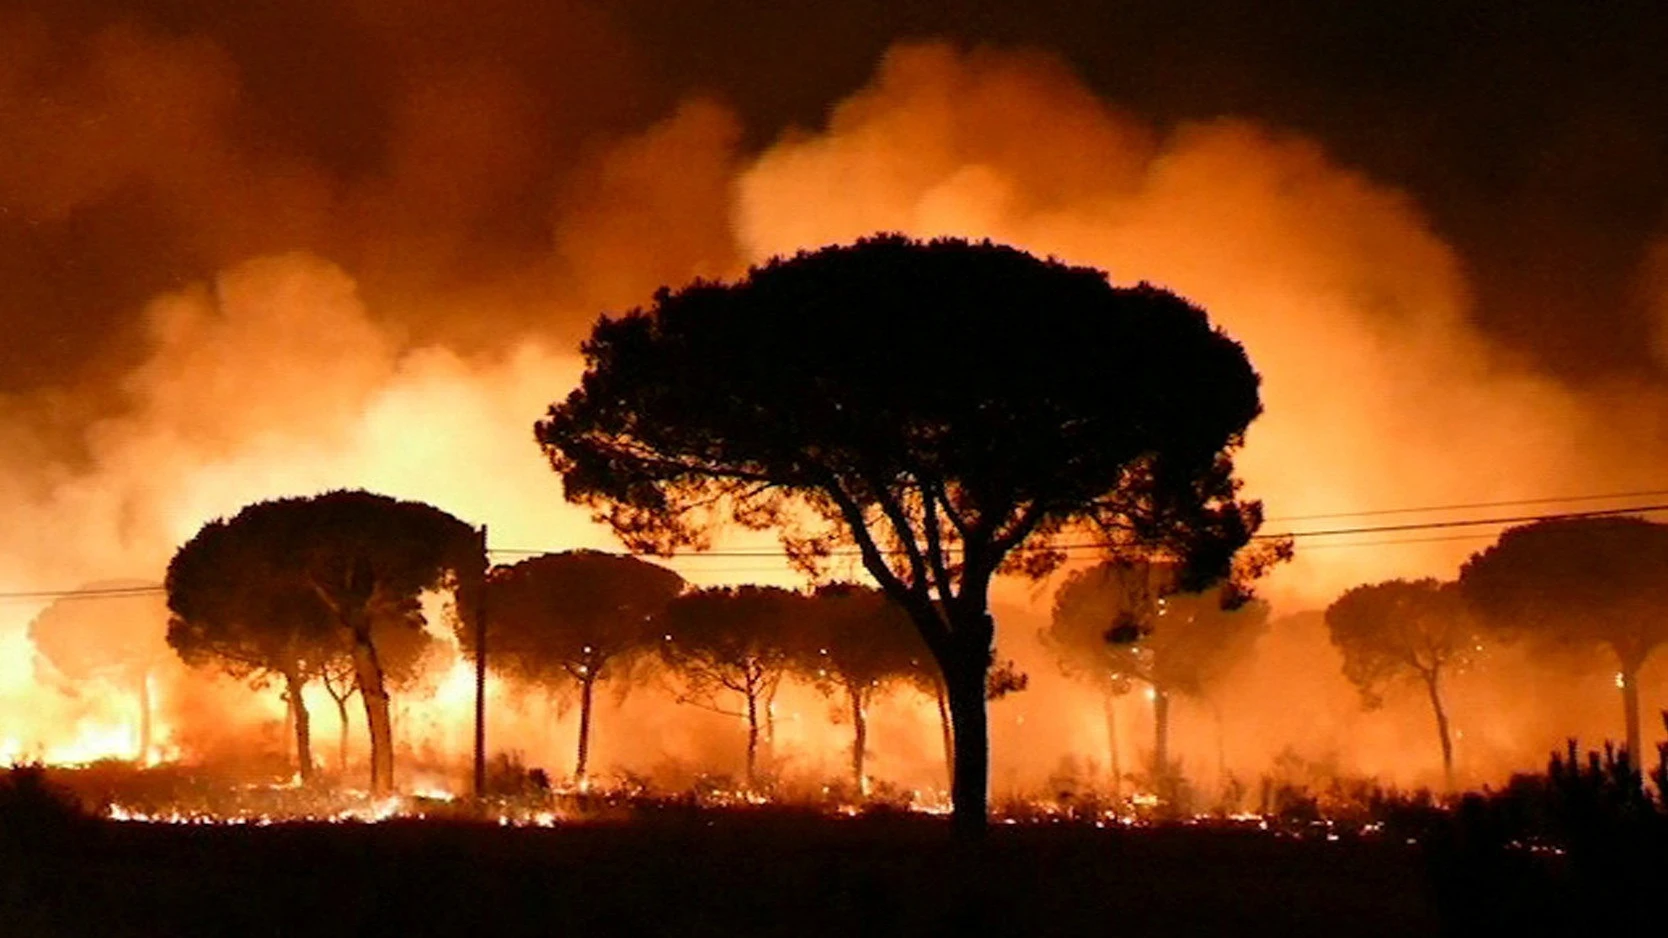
[[87, 745], [811, 738], [267, 805], [373, 413], [833, 423], [417, 808]]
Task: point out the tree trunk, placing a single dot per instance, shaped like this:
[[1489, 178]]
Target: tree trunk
[[1221, 748], [860, 738], [303, 728], [769, 701], [342, 734], [1162, 782], [970, 786], [367, 668], [144, 717], [1435, 692], [1116, 763], [752, 739], [586, 686], [944, 728], [289, 718], [1630, 707]]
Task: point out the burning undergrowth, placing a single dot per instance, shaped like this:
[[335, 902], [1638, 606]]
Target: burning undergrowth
[[518, 797], [1579, 801], [1576, 844]]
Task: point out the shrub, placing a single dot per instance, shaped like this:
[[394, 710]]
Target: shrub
[[33, 809]]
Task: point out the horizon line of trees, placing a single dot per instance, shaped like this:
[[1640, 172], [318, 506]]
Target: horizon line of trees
[[578, 620], [1560, 586], [332, 598]]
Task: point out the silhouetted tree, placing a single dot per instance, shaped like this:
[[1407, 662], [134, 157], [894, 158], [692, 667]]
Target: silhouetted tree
[[1082, 649], [349, 559], [403, 652], [1124, 622], [736, 640], [1003, 678], [856, 643], [951, 409], [254, 627], [116, 633], [929, 680], [1575, 582], [576, 618], [1400, 629], [337, 676]]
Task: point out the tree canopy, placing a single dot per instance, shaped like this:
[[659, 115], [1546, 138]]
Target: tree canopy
[[574, 619], [108, 636], [950, 409], [233, 610], [404, 648], [1579, 581], [231, 607], [118, 637], [738, 641], [284, 578], [854, 634], [856, 643], [1118, 623], [1401, 630]]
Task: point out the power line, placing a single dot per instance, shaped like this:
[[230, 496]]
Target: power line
[[96, 593], [1651, 493], [766, 553], [1469, 522], [1477, 536], [1100, 545]]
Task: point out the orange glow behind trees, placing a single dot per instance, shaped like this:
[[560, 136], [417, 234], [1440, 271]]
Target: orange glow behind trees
[[290, 330]]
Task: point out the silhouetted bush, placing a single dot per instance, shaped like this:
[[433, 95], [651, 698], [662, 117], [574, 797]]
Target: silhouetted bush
[[1582, 846], [507, 775], [33, 810]]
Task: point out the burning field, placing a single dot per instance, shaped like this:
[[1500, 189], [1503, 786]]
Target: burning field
[[880, 874], [1536, 859]]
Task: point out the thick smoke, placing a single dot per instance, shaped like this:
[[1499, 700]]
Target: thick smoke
[[1377, 392], [313, 318]]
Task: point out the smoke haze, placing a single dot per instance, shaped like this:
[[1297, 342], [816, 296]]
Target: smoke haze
[[234, 275]]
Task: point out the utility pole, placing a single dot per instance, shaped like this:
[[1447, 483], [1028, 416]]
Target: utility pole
[[480, 670]]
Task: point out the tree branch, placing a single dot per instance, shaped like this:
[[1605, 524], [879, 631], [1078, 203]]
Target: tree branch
[[935, 546], [905, 534], [324, 596], [913, 597], [874, 560], [937, 490], [706, 705], [1004, 541]]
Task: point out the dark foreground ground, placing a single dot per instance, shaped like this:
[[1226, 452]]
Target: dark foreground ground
[[708, 875]]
